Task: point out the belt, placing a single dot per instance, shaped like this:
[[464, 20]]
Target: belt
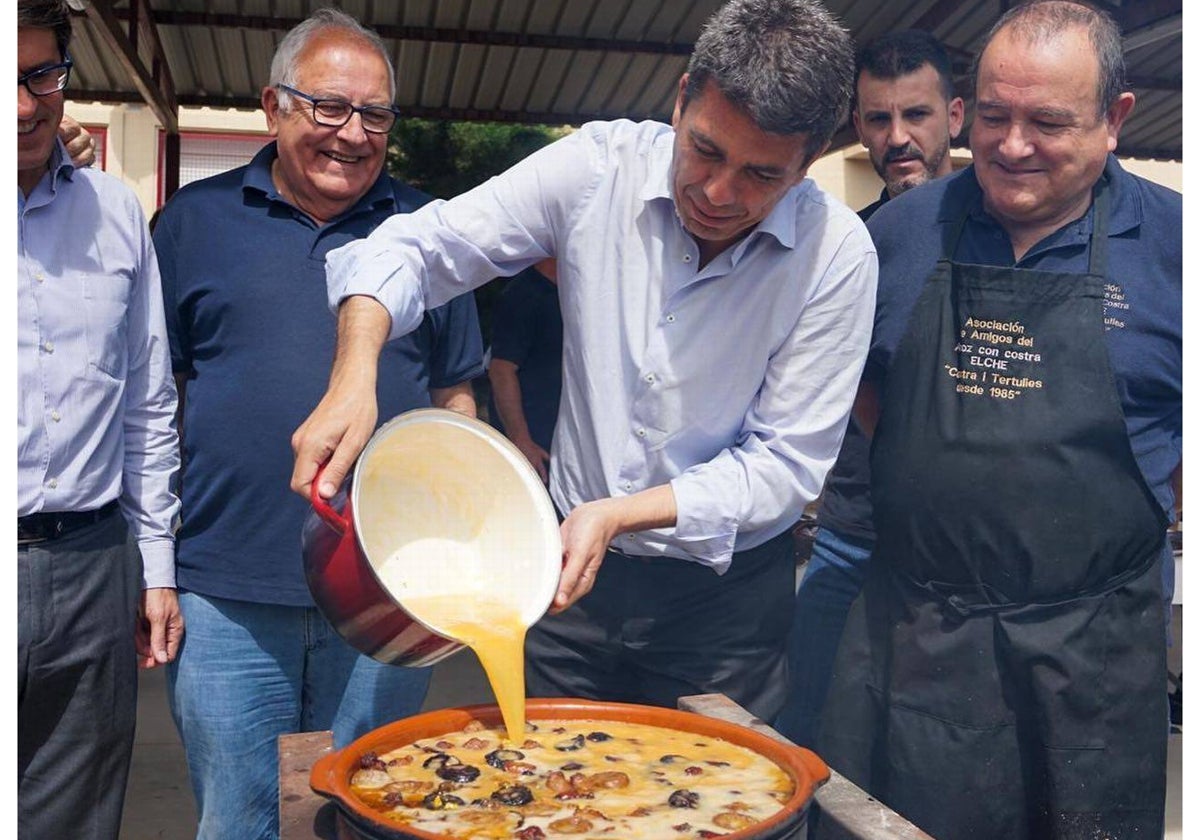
[[40, 527]]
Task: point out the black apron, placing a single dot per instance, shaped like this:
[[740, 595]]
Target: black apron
[[1011, 627]]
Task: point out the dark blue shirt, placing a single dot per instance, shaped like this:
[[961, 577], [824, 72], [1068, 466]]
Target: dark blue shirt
[[249, 324], [1143, 313], [527, 330], [846, 498]]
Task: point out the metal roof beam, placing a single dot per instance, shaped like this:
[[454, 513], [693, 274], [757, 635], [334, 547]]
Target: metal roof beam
[[429, 34], [154, 84]]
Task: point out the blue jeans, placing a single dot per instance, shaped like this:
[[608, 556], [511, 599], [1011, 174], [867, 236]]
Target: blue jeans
[[247, 673], [832, 580]]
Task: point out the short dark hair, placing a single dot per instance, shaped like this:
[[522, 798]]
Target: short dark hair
[[47, 14], [1044, 20], [789, 64], [905, 51]]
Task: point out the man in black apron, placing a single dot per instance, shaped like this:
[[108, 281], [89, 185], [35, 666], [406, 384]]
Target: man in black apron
[[1002, 674]]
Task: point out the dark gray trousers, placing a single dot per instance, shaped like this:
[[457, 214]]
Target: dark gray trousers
[[656, 629], [76, 681]]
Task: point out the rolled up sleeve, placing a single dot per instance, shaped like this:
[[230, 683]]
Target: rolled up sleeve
[[417, 261]]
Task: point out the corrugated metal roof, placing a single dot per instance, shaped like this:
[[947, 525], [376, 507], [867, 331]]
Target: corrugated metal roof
[[561, 61]]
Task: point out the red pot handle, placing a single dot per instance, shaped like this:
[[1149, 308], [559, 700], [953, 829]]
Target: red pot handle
[[332, 518]]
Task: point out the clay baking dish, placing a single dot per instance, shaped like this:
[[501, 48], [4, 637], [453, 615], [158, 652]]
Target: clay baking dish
[[331, 774]]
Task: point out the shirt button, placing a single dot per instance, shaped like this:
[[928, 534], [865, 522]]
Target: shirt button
[[39, 277], [628, 486], [670, 319], [687, 257], [55, 416], [641, 432], [48, 346], [650, 378], [52, 483]]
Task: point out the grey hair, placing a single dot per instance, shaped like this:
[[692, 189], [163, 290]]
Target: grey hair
[[1044, 20], [285, 65], [789, 64]]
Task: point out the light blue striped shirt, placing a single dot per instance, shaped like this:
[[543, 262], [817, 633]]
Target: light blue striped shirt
[[732, 382], [96, 400]]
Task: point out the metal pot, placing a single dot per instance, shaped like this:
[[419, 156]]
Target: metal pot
[[331, 774], [438, 504]]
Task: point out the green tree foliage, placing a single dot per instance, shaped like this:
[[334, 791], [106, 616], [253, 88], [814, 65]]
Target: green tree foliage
[[445, 158]]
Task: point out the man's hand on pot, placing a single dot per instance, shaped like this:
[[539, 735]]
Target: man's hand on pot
[[334, 435], [589, 528], [586, 533], [342, 423]]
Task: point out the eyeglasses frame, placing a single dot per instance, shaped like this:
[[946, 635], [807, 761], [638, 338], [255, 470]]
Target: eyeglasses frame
[[315, 101], [65, 64]]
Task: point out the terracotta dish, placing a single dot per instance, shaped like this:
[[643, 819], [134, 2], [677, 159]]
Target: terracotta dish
[[332, 773]]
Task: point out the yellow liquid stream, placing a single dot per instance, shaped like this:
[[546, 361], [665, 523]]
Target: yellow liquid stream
[[495, 632]]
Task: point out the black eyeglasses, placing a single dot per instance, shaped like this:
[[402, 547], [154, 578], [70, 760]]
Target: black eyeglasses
[[335, 113], [47, 80]]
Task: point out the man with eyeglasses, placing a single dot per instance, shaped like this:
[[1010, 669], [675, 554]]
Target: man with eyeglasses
[[96, 454], [243, 265]]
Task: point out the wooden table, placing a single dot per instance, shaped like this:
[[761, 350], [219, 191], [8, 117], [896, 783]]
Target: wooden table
[[842, 810]]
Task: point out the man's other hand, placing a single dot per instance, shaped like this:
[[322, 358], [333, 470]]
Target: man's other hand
[[159, 628], [81, 145], [537, 456]]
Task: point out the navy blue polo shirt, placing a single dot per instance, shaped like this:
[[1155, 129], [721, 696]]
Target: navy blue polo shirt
[[527, 330], [244, 287], [1143, 312]]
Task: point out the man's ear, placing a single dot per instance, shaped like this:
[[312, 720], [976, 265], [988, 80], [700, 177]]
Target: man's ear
[[811, 160], [680, 100], [854, 119], [270, 106], [1115, 117], [957, 111]]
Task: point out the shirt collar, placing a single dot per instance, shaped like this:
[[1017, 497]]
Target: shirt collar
[[58, 167], [658, 180], [60, 163], [780, 222], [258, 178], [1125, 204]]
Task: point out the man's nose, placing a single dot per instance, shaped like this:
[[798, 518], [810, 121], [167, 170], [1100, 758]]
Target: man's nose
[[1015, 143], [720, 189], [898, 135], [353, 131], [26, 103]]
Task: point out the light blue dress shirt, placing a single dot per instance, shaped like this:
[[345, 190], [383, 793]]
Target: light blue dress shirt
[[96, 400], [732, 382]]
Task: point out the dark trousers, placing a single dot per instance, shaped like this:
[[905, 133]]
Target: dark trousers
[[76, 681], [656, 629]]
